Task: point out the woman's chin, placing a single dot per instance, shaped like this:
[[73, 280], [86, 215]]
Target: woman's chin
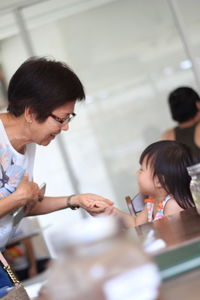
[[45, 142]]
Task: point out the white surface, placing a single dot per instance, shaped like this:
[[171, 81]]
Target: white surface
[[33, 289], [84, 231], [151, 244], [141, 284], [34, 284]]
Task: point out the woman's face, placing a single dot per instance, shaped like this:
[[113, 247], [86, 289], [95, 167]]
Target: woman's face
[[43, 133]]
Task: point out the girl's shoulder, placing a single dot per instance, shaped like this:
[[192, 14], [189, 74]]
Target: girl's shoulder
[[172, 207]]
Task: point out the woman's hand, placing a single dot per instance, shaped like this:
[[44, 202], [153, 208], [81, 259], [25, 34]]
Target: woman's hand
[[27, 193], [92, 203]]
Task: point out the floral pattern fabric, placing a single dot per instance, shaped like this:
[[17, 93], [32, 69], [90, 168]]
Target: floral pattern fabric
[[13, 166], [160, 212], [10, 173]]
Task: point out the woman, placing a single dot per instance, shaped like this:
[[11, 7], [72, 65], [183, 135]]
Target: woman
[[41, 98]]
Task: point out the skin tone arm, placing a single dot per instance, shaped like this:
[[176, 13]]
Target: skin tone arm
[[27, 194], [130, 221], [171, 208], [94, 204]]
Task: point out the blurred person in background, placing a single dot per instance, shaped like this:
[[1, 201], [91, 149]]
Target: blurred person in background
[[184, 104], [21, 254]]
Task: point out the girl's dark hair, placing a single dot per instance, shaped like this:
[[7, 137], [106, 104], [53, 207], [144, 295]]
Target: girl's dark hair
[[42, 85], [169, 160]]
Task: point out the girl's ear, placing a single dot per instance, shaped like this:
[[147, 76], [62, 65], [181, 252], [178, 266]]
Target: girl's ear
[[157, 182], [28, 115]]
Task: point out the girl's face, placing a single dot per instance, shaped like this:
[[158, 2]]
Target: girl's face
[[43, 133], [146, 183]]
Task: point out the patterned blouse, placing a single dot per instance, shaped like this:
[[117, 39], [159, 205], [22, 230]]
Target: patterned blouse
[[161, 206]]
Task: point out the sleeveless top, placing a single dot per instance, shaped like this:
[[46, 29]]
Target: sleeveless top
[[13, 166], [186, 136], [150, 207]]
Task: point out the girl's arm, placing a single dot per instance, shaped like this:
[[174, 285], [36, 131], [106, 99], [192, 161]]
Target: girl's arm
[[133, 221], [172, 207]]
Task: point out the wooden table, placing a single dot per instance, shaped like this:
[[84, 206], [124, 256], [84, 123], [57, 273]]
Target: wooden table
[[179, 261], [176, 230], [183, 287]]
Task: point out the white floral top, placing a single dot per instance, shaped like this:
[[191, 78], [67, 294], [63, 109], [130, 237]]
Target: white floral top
[[13, 165]]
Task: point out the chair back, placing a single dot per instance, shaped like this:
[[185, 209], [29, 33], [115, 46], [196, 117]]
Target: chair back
[[135, 204]]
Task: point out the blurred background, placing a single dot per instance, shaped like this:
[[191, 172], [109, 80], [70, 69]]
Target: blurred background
[[129, 55]]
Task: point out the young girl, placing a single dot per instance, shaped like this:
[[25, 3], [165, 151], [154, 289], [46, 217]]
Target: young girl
[[163, 177]]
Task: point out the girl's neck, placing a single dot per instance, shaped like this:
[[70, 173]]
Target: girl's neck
[[160, 196]]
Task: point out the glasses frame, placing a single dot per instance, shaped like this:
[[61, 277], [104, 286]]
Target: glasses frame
[[63, 120]]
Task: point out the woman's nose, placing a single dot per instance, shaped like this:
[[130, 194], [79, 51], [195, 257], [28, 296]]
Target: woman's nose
[[65, 126]]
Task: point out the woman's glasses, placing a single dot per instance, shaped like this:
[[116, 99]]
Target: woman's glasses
[[63, 120]]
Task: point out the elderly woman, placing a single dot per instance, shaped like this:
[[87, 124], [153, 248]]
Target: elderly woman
[[41, 98]]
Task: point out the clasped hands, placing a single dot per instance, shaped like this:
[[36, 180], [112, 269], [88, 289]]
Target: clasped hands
[[93, 204]]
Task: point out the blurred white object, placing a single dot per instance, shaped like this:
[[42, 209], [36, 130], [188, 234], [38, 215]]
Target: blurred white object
[[98, 260], [151, 244], [33, 289], [129, 286], [34, 284]]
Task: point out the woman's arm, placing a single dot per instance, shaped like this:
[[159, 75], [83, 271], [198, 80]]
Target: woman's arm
[[92, 203], [8, 204]]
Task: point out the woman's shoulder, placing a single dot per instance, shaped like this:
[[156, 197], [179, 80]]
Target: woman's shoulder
[[172, 207]]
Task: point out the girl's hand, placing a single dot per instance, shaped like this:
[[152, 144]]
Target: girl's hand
[[92, 203], [109, 210]]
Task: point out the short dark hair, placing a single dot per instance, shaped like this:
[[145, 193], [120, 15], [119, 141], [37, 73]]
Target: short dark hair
[[169, 160], [43, 85], [182, 103]]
